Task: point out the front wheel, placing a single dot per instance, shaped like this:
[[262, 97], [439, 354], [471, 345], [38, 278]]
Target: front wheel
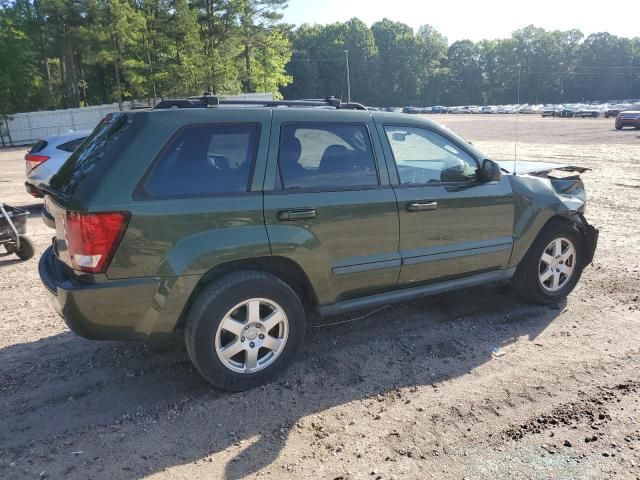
[[553, 265], [244, 329]]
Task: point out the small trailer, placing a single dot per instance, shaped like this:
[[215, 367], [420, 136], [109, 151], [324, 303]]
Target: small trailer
[[13, 227]]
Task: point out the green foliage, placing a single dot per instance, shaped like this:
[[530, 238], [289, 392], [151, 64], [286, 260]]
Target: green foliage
[[63, 53], [406, 68], [19, 76]]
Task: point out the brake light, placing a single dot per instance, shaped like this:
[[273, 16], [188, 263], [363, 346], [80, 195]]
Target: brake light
[[34, 160], [93, 238]]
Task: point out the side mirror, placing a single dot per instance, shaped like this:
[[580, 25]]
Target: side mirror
[[399, 136], [489, 172]]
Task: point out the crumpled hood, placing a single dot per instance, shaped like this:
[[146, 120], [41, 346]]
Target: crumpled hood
[[528, 167], [536, 189]]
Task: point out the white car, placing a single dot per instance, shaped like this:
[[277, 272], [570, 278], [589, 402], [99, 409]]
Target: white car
[[47, 156]]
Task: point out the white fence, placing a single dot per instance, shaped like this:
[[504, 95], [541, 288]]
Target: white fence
[[27, 128]]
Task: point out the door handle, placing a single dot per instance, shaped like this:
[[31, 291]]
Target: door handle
[[421, 206], [302, 214]]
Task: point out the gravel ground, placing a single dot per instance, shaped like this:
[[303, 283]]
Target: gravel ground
[[412, 391]]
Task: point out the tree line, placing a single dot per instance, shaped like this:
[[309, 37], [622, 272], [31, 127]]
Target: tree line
[[391, 65], [68, 53]]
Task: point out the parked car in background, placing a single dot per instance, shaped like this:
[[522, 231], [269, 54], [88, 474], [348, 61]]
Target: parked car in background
[[629, 118], [568, 111], [614, 110], [47, 155], [238, 225], [411, 110], [552, 110], [588, 112]]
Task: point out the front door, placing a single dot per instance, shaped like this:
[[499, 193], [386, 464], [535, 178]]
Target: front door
[[328, 204], [450, 223]]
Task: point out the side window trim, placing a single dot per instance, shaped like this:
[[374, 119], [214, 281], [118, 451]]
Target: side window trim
[[399, 183], [279, 184], [140, 194]]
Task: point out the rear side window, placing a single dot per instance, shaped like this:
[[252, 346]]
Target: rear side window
[[86, 159], [72, 145], [204, 160], [326, 156], [39, 146]]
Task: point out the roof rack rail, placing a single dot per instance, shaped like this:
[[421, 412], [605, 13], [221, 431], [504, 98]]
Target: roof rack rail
[[212, 100]]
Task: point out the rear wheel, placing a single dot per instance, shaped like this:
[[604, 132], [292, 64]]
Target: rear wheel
[[244, 329], [618, 127], [552, 267]]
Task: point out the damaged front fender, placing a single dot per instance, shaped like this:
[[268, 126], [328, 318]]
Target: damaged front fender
[[539, 197]]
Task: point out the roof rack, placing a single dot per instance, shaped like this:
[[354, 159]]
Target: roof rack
[[214, 101]]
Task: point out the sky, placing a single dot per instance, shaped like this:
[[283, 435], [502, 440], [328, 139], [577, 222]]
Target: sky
[[479, 19]]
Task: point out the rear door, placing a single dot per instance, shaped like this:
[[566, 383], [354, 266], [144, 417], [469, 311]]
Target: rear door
[[450, 223], [328, 202]]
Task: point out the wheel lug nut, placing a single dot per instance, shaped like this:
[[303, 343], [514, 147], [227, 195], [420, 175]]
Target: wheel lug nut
[[242, 339], [252, 344], [258, 325], [247, 327], [261, 336]]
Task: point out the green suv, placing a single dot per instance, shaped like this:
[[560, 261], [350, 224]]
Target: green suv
[[237, 223]]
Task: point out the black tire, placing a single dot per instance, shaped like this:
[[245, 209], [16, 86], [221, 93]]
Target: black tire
[[10, 247], [210, 308], [618, 127], [526, 280], [26, 250]]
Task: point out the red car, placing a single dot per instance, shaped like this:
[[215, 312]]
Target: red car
[[629, 118]]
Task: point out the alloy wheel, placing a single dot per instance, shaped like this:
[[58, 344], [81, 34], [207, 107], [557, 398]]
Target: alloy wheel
[[557, 264], [252, 335]]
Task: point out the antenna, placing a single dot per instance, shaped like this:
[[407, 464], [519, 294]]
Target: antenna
[[346, 56], [515, 147]]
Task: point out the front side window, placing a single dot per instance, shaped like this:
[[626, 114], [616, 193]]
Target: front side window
[[326, 156], [423, 156], [204, 160]]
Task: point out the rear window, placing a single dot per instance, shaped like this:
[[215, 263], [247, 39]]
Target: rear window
[[72, 145], [204, 160], [39, 146], [85, 159]]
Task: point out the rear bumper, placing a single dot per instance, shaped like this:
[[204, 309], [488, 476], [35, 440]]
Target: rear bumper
[[108, 310], [33, 190], [629, 122]]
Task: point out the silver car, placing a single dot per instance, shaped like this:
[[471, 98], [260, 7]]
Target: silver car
[[47, 156]]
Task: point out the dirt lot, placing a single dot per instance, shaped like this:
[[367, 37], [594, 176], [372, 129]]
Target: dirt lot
[[413, 391]]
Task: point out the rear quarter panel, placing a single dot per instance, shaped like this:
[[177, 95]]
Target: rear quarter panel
[[184, 236]]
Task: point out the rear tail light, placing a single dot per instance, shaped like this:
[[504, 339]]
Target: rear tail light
[[33, 160], [93, 238]]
